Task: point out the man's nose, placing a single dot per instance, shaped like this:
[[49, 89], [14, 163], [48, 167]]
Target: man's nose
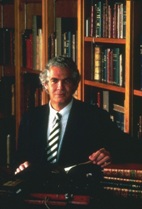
[[60, 84]]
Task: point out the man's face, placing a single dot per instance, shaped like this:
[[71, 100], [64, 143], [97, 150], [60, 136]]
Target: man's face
[[60, 87]]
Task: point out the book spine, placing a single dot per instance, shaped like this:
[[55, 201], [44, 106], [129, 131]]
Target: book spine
[[29, 52], [119, 179], [74, 47], [124, 192], [59, 35], [92, 19], [140, 127], [140, 62], [125, 173], [69, 44], [106, 100], [104, 66], [116, 68], [105, 20], [87, 27], [40, 49], [124, 20], [121, 184], [99, 19], [97, 63]]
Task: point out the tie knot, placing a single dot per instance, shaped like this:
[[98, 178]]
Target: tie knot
[[58, 116]]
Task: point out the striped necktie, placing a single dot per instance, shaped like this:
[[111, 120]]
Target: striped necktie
[[53, 140]]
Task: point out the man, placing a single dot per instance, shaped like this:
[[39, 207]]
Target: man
[[87, 132]]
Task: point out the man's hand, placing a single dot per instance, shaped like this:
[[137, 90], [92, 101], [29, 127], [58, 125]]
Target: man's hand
[[22, 167], [101, 157]]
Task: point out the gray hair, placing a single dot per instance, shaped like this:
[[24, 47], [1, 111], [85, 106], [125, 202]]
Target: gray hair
[[64, 62]]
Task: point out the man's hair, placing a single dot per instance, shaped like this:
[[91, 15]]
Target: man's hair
[[63, 62]]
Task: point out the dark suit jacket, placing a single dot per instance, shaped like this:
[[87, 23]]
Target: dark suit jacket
[[88, 129]]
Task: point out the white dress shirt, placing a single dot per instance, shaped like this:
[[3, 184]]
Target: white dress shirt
[[65, 114]]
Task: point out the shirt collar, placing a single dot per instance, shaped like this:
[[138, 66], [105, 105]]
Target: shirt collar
[[62, 111]]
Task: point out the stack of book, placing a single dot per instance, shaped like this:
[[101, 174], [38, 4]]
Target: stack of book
[[123, 180]]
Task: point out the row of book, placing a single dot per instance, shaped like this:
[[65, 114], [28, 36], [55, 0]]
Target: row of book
[[61, 42], [116, 110], [32, 45], [106, 19], [66, 46], [32, 94], [125, 181], [108, 65]]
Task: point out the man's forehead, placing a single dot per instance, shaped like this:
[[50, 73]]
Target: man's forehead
[[59, 72]]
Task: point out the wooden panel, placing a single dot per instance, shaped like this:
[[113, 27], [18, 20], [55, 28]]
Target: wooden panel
[[66, 8], [8, 16], [31, 9], [128, 68]]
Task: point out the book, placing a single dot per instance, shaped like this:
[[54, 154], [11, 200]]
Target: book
[[104, 66], [29, 60], [92, 19], [122, 183], [25, 36], [7, 46], [63, 35], [105, 20], [99, 19], [57, 199], [106, 100], [36, 25], [140, 55], [40, 49], [97, 63], [130, 173], [125, 192], [121, 179], [140, 127], [118, 113], [58, 38], [74, 47], [69, 44], [87, 27], [11, 187]]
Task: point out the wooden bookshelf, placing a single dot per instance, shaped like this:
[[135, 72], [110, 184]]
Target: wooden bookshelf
[[130, 93], [24, 11], [19, 16]]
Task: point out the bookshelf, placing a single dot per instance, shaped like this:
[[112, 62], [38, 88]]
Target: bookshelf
[[28, 89], [18, 15], [66, 25], [7, 80], [115, 27], [20, 78]]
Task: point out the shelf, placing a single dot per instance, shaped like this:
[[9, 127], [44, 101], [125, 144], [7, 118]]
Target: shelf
[[31, 71], [7, 70], [104, 86], [32, 1], [138, 93], [105, 40]]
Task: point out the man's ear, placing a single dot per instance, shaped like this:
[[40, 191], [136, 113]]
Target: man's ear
[[46, 86]]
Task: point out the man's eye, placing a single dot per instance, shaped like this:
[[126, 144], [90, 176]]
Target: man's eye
[[68, 81], [54, 80]]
